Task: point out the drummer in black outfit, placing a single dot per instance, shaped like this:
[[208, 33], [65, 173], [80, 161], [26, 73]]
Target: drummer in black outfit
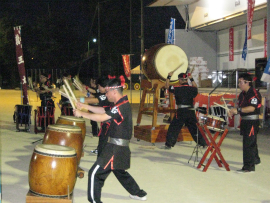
[[184, 96], [115, 156], [45, 92], [102, 101], [249, 104]]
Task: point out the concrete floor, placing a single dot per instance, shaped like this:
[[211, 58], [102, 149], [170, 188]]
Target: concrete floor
[[165, 175]]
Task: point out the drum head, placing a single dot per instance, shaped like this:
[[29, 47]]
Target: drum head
[[72, 118], [216, 118], [55, 149], [168, 58], [64, 128]]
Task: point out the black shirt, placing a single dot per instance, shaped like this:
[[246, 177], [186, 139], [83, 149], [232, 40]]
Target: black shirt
[[250, 98], [184, 94]]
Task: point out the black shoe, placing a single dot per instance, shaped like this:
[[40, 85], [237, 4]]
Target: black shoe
[[245, 171], [257, 162], [166, 147]]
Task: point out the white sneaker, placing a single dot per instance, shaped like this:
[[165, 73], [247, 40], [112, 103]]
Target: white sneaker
[[144, 198]]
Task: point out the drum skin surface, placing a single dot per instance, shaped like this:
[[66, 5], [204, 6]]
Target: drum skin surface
[[52, 171], [71, 120], [65, 135], [163, 58]]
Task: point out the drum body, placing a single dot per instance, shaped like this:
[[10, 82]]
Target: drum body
[[22, 114], [214, 123], [65, 135], [161, 59], [71, 120], [52, 171]]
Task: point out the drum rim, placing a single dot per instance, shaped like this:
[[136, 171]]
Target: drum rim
[[215, 129], [216, 118], [51, 150], [64, 128]]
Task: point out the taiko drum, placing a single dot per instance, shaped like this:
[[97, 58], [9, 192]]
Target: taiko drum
[[52, 171], [65, 135], [71, 120]]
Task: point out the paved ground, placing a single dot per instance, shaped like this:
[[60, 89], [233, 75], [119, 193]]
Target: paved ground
[[165, 175]]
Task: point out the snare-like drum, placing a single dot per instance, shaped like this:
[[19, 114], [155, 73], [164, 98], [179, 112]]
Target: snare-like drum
[[161, 59], [214, 123], [71, 120], [66, 135], [52, 171]]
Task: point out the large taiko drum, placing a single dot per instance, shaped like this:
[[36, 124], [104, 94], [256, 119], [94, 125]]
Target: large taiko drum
[[161, 59], [65, 135], [52, 171], [71, 120]]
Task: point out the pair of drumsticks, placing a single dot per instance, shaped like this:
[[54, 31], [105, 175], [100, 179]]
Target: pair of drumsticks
[[224, 107]]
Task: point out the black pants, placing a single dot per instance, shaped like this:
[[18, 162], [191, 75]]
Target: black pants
[[97, 176], [187, 117], [94, 127], [249, 130], [103, 138]]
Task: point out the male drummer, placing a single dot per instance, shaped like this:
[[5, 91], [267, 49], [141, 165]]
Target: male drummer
[[102, 101], [184, 96], [249, 104], [115, 156]]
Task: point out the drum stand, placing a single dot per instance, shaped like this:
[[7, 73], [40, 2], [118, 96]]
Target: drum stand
[[196, 150], [45, 121]]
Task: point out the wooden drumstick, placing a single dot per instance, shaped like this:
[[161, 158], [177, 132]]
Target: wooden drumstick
[[71, 102], [178, 67], [224, 107], [69, 88]]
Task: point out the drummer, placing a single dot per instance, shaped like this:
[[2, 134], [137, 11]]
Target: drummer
[[102, 101], [184, 96]]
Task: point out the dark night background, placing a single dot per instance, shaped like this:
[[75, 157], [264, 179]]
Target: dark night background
[[58, 34]]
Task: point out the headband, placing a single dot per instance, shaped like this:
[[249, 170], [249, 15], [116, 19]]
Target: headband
[[122, 79]]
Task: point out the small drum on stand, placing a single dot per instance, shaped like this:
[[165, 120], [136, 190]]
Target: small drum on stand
[[163, 58], [22, 115], [52, 171], [41, 113], [71, 120], [214, 123], [65, 135]]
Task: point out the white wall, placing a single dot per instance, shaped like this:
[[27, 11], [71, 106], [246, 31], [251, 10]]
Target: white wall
[[256, 51], [215, 9], [197, 44]]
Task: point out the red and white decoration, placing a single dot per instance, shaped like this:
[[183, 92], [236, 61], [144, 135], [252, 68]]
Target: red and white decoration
[[250, 12], [265, 38]]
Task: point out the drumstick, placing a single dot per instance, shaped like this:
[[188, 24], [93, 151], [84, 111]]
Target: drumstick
[[71, 102], [69, 88], [178, 67], [228, 110], [224, 107]]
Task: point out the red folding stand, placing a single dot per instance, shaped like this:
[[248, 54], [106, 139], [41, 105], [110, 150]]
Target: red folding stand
[[213, 147]]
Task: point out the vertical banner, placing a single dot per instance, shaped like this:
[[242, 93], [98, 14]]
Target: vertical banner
[[244, 52], [171, 34], [126, 63], [265, 38], [250, 12], [20, 62], [266, 73], [231, 45]]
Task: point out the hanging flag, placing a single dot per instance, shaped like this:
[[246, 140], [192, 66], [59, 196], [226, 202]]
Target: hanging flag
[[266, 73], [20, 61], [244, 52], [265, 38], [126, 63], [231, 45], [171, 34], [250, 12]]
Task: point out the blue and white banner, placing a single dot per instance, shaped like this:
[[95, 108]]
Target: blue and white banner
[[244, 52], [171, 34], [266, 73]]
